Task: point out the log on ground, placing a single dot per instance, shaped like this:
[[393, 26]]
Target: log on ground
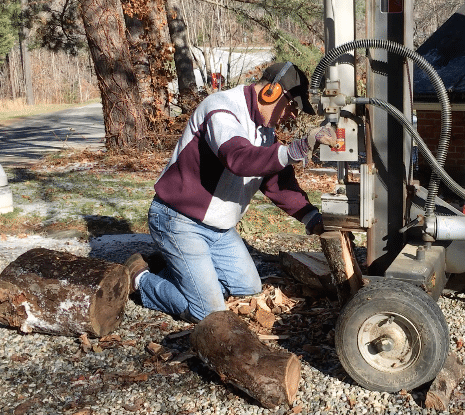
[[440, 391], [225, 343], [59, 293], [347, 277]]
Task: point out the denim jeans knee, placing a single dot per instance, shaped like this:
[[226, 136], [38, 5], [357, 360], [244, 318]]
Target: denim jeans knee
[[203, 263]]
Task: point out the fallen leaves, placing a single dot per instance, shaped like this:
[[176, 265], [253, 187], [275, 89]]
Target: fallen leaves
[[24, 407], [107, 342]]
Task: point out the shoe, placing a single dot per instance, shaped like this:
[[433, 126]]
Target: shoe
[[135, 265], [155, 261]]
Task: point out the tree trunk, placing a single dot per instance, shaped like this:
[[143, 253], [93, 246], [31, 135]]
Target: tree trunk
[[26, 57], [59, 293], [11, 76], [182, 56], [225, 343], [125, 125], [150, 51], [345, 271]]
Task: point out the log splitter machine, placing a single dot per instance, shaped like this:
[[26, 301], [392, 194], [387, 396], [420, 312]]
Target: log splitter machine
[[391, 335]]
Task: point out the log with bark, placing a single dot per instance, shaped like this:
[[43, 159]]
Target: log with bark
[[59, 293], [225, 343], [347, 277], [453, 372]]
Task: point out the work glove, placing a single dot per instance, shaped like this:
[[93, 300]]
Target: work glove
[[315, 225], [301, 149]]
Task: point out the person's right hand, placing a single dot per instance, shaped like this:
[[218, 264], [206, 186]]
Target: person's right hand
[[315, 225]]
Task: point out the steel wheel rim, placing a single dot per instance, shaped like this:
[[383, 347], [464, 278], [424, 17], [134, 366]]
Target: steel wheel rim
[[389, 342]]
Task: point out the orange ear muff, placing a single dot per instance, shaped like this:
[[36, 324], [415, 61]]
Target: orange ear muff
[[271, 93]]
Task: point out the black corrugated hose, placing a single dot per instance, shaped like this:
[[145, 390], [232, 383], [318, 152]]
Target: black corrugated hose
[[446, 113]]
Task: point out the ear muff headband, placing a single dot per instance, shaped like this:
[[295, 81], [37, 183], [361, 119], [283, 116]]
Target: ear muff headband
[[271, 92]]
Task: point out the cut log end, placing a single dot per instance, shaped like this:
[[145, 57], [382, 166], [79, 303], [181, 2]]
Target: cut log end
[[292, 378], [107, 308]]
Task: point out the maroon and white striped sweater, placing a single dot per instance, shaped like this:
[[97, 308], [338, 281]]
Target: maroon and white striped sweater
[[223, 157]]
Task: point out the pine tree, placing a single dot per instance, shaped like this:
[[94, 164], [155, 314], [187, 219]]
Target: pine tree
[[9, 11]]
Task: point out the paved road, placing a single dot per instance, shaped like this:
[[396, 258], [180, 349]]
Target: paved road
[[27, 140]]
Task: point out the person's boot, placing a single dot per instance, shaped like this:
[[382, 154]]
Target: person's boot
[[155, 262], [135, 265]]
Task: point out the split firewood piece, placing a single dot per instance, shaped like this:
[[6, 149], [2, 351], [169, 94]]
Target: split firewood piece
[[446, 381], [59, 293], [345, 271], [226, 344], [310, 268]]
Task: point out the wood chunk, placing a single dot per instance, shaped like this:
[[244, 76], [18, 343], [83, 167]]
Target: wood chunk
[[59, 293], [245, 309], [155, 349], [346, 274], [261, 303], [453, 372], [310, 268], [227, 345], [264, 318]]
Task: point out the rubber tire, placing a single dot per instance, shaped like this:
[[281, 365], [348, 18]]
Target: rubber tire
[[404, 299]]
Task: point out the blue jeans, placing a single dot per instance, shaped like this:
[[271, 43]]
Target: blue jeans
[[204, 265]]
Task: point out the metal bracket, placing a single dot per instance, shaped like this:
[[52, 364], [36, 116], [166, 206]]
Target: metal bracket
[[367, 195]]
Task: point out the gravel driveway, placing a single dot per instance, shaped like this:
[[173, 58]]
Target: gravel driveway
[[44, 374]]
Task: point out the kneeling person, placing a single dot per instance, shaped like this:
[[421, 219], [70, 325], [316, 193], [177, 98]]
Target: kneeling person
[[228, 152]]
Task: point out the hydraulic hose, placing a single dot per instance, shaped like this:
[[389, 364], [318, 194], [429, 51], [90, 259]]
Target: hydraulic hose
[[446, 119], [399, 116]]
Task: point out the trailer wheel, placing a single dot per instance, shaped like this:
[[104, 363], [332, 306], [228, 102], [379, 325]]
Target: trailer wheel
[[390, 336]]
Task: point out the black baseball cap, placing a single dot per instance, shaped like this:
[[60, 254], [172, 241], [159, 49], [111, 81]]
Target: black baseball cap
[[293, 81]]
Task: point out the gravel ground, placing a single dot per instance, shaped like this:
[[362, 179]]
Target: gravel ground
[[45, 374]]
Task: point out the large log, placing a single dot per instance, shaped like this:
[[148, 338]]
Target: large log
[[59, 293], [453, 372], [345, 271], [226, 344]]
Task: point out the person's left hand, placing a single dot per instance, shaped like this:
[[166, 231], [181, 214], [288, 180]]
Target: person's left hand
[[322, 135], [303, 148]]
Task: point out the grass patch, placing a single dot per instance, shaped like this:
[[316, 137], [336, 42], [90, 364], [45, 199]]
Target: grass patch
[[96, 199], [264, 217], [89, 202]]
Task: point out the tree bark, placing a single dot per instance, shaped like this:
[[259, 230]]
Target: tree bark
[[11, 76], [26, 57], [346, 274], [182, 55], [125, 125], [59, 293], [438, 396], [150, 50], [225, 343]]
